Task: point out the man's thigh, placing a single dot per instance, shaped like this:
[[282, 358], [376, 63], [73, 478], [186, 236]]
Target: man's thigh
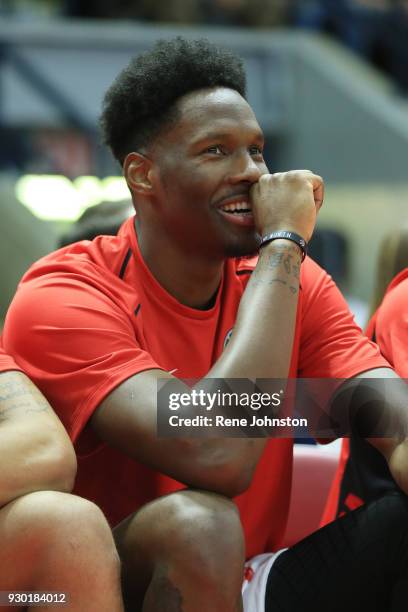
[[358, 562]]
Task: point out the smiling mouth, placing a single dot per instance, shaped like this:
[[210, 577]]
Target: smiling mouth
[[239, 208], [238, 214]]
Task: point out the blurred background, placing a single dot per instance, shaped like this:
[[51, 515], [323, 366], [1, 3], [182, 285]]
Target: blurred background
[[328, 80]]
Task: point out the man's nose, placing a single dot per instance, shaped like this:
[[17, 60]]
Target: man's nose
[[245, 170]]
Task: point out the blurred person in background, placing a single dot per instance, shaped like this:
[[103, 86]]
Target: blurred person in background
[[243, 13], [50, 540], [330, 248], [392, 259], [363, 475], [359, 24], [104, 218], [172, 11], [176, 295], [394, 44], [246, 13]]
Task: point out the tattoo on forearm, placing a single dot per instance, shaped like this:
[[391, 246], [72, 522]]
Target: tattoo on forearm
[[277, 280], [285, 261], [275, 260], [15, 395]]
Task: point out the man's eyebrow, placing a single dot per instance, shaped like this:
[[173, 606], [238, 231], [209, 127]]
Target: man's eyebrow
[[257, 137]]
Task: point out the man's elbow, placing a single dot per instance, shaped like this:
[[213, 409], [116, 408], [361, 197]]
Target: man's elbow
[[237, 481], [230, 479]]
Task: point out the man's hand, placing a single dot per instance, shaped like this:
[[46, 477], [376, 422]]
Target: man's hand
[[287, 201]]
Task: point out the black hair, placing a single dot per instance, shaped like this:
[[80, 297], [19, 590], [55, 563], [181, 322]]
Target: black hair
[[142, 99]]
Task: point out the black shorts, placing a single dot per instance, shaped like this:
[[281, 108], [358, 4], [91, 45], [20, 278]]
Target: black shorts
[[358, 563]]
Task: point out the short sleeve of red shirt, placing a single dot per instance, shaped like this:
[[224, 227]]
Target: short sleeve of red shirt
[[392, 328], [78, 344], [6, 362], [331, 344]]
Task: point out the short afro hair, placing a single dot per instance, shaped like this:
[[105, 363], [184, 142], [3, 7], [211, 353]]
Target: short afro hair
[[141, 100]]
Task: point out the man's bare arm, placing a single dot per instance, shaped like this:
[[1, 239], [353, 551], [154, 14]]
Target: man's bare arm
[[382, 402], [36, 453], [260, 347]]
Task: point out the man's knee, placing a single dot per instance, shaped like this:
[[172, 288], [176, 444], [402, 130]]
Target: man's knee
[[49, 518], [45, 534], [188, 544], [196, 530]]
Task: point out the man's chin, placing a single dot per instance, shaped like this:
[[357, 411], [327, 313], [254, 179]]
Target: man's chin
[[247, 248]]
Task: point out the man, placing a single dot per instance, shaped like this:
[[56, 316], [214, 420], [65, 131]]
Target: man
[[50, 541], [98, 324], [362, 474]]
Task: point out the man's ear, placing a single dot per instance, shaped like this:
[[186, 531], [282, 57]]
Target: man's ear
[[137, 170]]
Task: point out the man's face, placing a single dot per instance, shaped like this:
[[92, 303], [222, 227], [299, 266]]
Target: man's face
[[204, 167]]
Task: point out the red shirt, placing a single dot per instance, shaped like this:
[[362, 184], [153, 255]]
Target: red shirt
[[89, 316], [389, 325]]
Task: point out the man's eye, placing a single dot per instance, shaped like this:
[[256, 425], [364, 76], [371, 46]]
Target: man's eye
[[216, 149], [255, 150]]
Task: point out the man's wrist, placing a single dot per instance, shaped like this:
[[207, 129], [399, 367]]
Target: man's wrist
[[281, 244], [285, 235]]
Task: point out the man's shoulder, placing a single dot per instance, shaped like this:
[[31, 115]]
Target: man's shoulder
[[399, 285], [105, 255], [395, 302]]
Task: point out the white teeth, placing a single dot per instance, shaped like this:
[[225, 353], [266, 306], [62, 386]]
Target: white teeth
[[236, 206]]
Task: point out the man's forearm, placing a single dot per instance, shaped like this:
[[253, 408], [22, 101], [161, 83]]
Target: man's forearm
[[261, 345]]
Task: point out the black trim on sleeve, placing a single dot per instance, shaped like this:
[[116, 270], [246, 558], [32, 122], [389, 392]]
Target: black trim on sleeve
[[125, 263], [137, 309]]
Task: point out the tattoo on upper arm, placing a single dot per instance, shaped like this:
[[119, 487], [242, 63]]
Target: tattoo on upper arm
[[16, 396]]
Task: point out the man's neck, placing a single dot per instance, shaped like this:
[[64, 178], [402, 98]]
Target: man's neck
[[192, 280]]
